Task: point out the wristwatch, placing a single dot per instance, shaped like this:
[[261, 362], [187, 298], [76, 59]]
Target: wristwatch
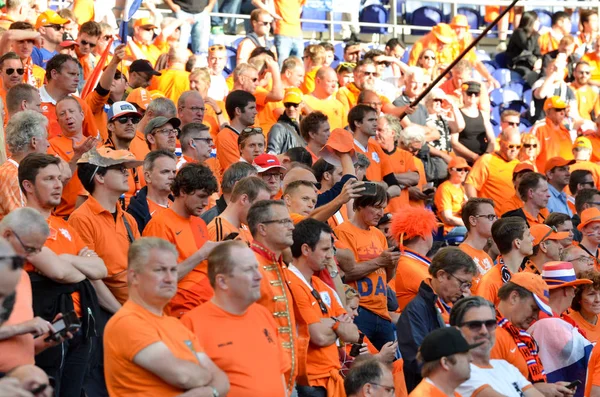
[[333, 273], [215, 392]]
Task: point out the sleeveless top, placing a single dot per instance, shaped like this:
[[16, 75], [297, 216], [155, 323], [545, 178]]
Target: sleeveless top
[[473, 135]]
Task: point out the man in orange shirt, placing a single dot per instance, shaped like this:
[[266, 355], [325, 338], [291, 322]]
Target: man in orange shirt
[[491, 176], [161, 133], [533, 190], [146, 351], [561, 26], [25, 134], [20, 38], [181, 224], [588, 105], [174, 80], [450, 197], [141, 45], [23, 97], [62, 75], [234, 219], [515, 243], [315, 131], [11, 72], [271, 227], [364, 79], [322, 98], [158, 107], [441, 40], [318, 308], [190, 107], [89, 34], [141, 73], [235, 277]]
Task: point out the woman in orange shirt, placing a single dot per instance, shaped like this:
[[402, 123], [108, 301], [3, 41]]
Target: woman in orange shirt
[[586, 306], [530, 149]]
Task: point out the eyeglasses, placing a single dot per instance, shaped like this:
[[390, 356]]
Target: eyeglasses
[[490, 217], [166, 132], [27, 248], [472, 93], [55, 26], [120, 168], [216, 47], [252, 129], [269, 176], [438, 100], [92, 45], [530, 145], [285, 221], [514, 146], [10, 71], [586, 259], [207, 140], [253, 79], [461, 169], [552, 230], [512, 123], [317, 296], [374, 74], [463, 283], [147, 28], [125, 119], [388, 389], [476, 325], [16, 261]]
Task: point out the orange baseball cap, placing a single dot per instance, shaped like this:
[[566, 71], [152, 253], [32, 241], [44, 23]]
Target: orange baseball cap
[[105, 156], [460, 21], [554, 102], [458, 162], [523, 167], [292, 95], [561, 274], [582, 142], [589, 215], [444, 33], [535, 284], [144, 22], [557, 162], [541, 232], [140, 97], [340, 140], [49, 17]]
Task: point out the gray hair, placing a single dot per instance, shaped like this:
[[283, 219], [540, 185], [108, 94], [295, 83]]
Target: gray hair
[[187, 94], [461, 307], [234, 173], [394, 124], [140, 251], [25, 221], [154, 155], [412, 133], [22, 127], [362, 161], [162, 107]]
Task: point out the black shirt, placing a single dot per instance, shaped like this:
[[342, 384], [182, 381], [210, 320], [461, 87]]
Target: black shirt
[[192, 6]]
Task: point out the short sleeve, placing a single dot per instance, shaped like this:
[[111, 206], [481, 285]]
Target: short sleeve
[[128, 344], [84, 230], [303, 303], [480, 172]]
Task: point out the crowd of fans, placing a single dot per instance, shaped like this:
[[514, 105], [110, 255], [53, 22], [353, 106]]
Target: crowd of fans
[[291, 229]]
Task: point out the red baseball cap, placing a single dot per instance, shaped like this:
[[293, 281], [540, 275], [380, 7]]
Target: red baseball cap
[[265, 162]]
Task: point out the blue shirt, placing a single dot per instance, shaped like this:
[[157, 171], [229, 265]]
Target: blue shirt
[[558, 201], [41, 56]]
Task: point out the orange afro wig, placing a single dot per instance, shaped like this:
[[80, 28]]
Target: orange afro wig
[[413, 222]]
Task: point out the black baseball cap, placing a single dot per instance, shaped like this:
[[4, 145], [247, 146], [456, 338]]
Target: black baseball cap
[[471, 86], [143, 65], [444, 342]]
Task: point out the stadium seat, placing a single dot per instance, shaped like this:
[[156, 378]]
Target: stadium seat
[[495, 117], [501, 60], [489, 65], [235, 44], [497, 129], [338, 51], [527, 97], [406, 54], [374, 13], [502, 96], [545, 17], [313, 13], [426, 16], [575, 23], [473, 16], [506, 76], [516, 87]]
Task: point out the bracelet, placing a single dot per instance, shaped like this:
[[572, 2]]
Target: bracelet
[[220, 113], [336, 325]]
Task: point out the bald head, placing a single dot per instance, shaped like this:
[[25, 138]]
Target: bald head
[[325, 82], [298, 174]]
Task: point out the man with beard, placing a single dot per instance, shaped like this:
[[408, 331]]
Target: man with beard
[[364, 79], [554, 137], [585, 93], [161, 133], [20, 38], [451, 274]]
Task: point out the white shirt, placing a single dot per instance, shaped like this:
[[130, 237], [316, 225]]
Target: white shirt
[[501, 376], [218, 88]]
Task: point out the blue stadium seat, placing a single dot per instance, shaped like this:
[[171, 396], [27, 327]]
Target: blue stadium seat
[[497, 129], [338, 51], [235, 44], [501, 96], [574, 22], [527, 97], [374, 13], [505, 76], [426, 16], [489, 65], [495, 115], [545, 17], [313, 13], [501, 60], [406, 54], [473, 16], [516, 87]]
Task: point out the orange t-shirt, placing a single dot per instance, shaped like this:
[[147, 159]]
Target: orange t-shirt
[[11, 195], [155, 208], [49, 110], [348, 96], [172, 83], [444, 56], [151, 52], [330, 107], [422, 182], [448, 196], [97, 102], [593, 371], [228, 151], [491, 176], [380, 162], [592, 331], [19, 350], [109, 239], [290, 11], [587, 101], [212, 121], [427, 389], [482, 260], [555, 140], [139, 146], [367, 245], [506, 349], [219, 228], [490, 283], [308, 85], [188, 235], [548, 42], [401, 161], [132, 329], [236, 353], [412, 269]]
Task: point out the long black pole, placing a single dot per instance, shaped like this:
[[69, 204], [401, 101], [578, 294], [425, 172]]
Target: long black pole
[[461, 56]]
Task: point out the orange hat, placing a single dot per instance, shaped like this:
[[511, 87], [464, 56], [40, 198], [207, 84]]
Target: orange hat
[[140, 97], [554, 103], [522, 167], [49, 17], [460, 21], [105, 156], [535, 284], [444, 33], [340, 140], [561, 274], [557, 162], [292, 95], [458, 162], [589, 215], [582, 142], [413, 222], [541, 233], [144, 22]]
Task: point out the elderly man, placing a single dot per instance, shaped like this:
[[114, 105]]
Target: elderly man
[[322, 98], [554, 137], [369, 378], [190, 108], [146, 351]]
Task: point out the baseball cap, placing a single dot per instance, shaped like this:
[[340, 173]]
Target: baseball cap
[[444, 342], [535, 284], [340, 140], [444, 33], [49, 17], [458, 162], [523, 167], [558, 162], [588, 216], [460, 21], [122, 108], [140, 97], [554, 102], [68, 40], [292, 95], [386, 218], [143, 65], [265, 162], [144, 22], [471, 86], [561, 274], [582, 142], [159, 122], [105, 156], [541, 232]]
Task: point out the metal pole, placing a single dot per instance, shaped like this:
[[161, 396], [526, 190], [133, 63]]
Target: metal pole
[[460, 56], [395, 18]]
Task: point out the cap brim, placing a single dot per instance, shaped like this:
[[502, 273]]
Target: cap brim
[[474, 345], [558, 236], [543, 306], [575, 283], [442, 38], [175, 122], [68, 43], [265, 169], [154, 73]]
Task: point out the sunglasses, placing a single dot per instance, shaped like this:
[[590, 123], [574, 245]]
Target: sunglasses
[[254, 79], [92, 45], [514, 146], [347, 65], [512, 124], [428, 57], [16, 262], [476, 325], [374, 74], [291, 105], [55, 27], [10, 71], [317, 296], [530, 145], [264, 23], [438, 100], [472, 93], [252, 129], [461, 169], [216, 47], [125, 119]]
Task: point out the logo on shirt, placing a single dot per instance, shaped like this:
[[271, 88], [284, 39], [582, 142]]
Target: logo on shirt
[[375, 157], [268, 335], [179, 232], [65, 233], [225, 344], [518, 389]]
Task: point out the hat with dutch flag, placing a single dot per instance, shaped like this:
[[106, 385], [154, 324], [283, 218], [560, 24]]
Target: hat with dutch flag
[[561, 274]]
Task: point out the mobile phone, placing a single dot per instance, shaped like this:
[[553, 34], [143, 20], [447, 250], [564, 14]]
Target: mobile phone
[[231, 236], [355, 351], [67, 323], [370, 189], [428, 188], [573, 384], [39, 389]]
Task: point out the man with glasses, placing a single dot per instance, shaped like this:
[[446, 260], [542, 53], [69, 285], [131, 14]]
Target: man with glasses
[[272, 232], [546, 247], [261, 22], [197, 146], [190, 108], [318, 308], [158, 107], [585, 93], [509, 118], [475, 317], [285, 134], [217, 59], [89, 34], [161, 133], [491, 176], [141, 46], [50, 25], [11, 72], [322, 98], [581, 261], [271, 171], [369, 378], [450, 277], [365, 75]]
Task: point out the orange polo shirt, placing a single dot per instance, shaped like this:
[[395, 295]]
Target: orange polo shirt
[[412, 269], [587, 101], [491, 176], [367, 245], [49, 110], [219, 228], [428, 389], [380, 162], [11, 195], [555, 140], [506, 349], [139, 146], [331, 107], [490, 283], [594, 60], [228, 151], [539, 219], [548, 42], [513, 203], [482, 260], [211, 119], [401, 161], [290, 11], [109, 239], [188, 235], [448, 196], [172, 83]]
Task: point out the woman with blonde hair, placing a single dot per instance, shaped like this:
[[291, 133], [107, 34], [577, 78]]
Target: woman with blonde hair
[[428, 62], [530, 150]]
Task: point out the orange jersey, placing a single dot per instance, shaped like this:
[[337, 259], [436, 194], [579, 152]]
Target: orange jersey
[[444, 55], [330, 107], [236, 353], [49, 110], [308, 85], [97, 102], [132, 329], [289, 24], [548, 42], [422, 182], [482, 260], [491, 176], [219, 228], [367, 245], [212, 121], [491, 282], [109, 238], [401, 161], [427, 389], [11, 195], [593, 371], [380, 162], [412, 269], [448, 196], [506, 349], [594, 60], [172, 83], [592, 331], [555, 140], [587, 101], [188, 235], [228, 151], [139, 146]]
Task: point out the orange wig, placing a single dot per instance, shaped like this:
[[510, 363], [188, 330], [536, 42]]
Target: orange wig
[[412, 222]]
